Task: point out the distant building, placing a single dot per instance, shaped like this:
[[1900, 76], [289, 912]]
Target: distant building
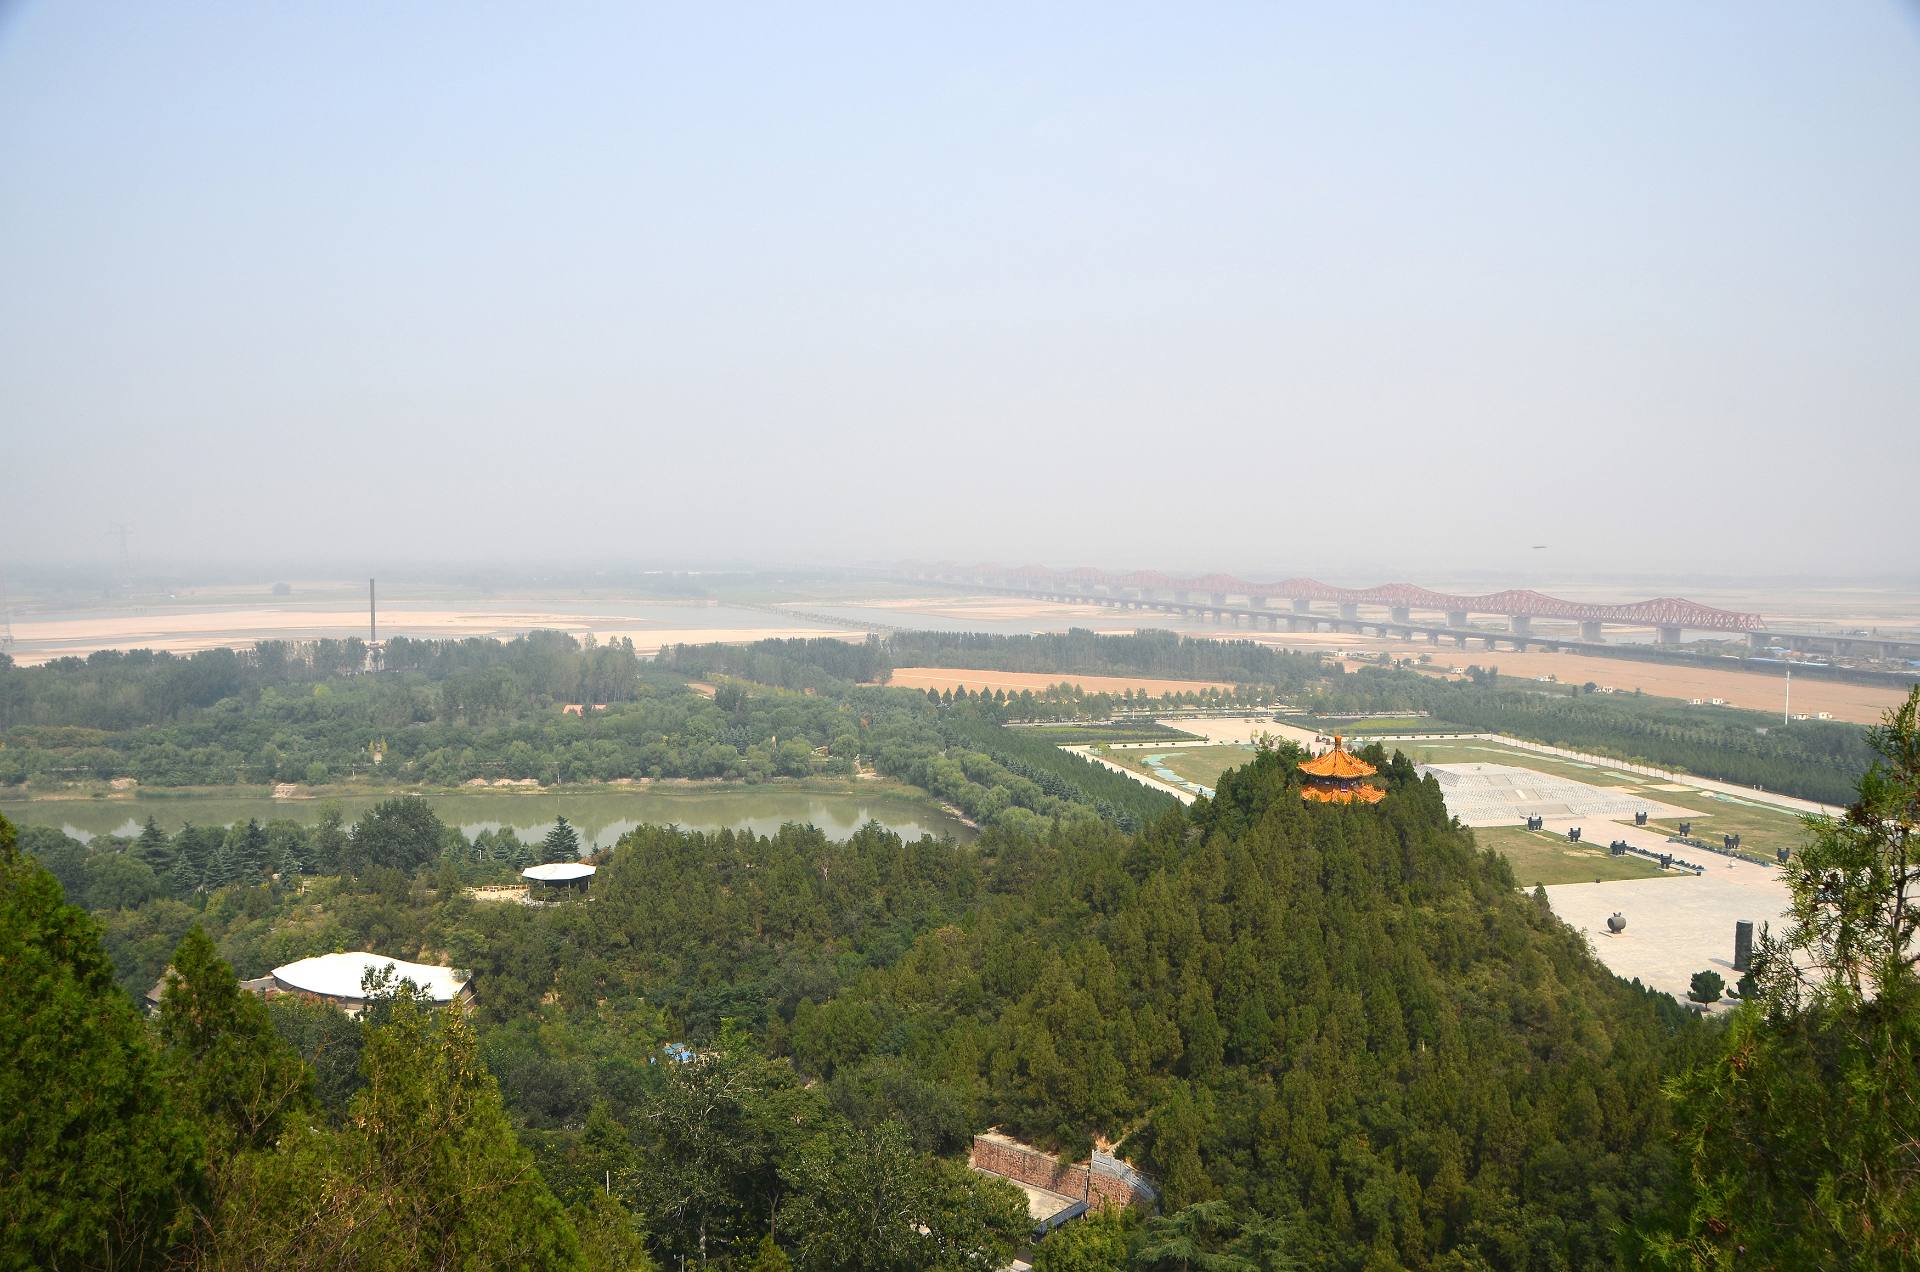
[[557, 876], [340, 979]]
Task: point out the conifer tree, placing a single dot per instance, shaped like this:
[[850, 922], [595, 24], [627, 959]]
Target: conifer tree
[[100, 1167], [230, 1066], [561, 844], [154, 848], [247, 850], [221, 869], [1800, 1132], [425, 1174], [328, 844]]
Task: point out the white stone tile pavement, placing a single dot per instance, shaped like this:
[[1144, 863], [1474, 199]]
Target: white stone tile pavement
[[1677, 924]]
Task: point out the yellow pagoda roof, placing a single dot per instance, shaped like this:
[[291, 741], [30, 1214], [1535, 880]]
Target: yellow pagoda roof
[[1338, 762], [1358, 793]]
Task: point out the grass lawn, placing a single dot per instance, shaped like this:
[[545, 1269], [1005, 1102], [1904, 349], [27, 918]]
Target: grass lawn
[[1540, 857], [1761, 830], [1360, 728], [1084, 734], [1199, 764], [1205, 764]]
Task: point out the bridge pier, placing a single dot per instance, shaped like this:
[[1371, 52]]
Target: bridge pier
[[1669, 635], [1456, 618], [1349, 610], [1257, 602], [1301, 605], [1756, 642], [1219, 599], [1519, 624], [1590, 632], [1400, 614]]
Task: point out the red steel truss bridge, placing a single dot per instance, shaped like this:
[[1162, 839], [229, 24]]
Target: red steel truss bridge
[[1669, 613]]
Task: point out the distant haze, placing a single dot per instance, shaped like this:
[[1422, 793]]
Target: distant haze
[[1367, 291]]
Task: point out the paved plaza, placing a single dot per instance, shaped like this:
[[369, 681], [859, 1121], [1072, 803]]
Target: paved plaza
[[1506, 795], [1677, 924]]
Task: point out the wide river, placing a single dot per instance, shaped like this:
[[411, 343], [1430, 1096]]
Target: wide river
[[601, 816]]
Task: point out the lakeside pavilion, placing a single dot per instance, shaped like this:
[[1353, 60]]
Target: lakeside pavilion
[[558, 877], [1339, 777]]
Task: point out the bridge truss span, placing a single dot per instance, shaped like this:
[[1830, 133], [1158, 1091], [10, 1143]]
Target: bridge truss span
[[1668, 613]]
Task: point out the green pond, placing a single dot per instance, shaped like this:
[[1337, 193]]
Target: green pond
[[601, 816]]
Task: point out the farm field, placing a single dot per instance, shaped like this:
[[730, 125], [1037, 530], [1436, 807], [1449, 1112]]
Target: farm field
[[1755, 690], [1015, 681], [1539, 857]]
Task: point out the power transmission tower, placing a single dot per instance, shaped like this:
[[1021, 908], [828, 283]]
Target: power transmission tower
[[121, 531]]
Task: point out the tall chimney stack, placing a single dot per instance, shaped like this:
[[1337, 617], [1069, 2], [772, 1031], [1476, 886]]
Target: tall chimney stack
[[373, 617]]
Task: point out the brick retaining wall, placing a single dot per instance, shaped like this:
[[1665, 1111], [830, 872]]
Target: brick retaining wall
[[1025, 1166]]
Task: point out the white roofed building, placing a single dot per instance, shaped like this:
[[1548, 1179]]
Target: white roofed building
[[341, 978], [557, 876], [559, 872]]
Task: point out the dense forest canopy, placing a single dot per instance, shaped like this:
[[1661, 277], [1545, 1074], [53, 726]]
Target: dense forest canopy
[[1335, 1036]]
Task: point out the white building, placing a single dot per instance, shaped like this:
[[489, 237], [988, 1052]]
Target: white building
[[340, 979], [555, 877]]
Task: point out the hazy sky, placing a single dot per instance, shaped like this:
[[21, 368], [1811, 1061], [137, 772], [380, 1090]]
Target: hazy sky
[[1350, 288]]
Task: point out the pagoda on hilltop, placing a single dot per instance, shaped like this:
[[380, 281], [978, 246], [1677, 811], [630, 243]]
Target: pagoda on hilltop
[[1337, 778]]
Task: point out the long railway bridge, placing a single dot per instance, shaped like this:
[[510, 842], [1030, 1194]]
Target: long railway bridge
[[1392, 609]]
